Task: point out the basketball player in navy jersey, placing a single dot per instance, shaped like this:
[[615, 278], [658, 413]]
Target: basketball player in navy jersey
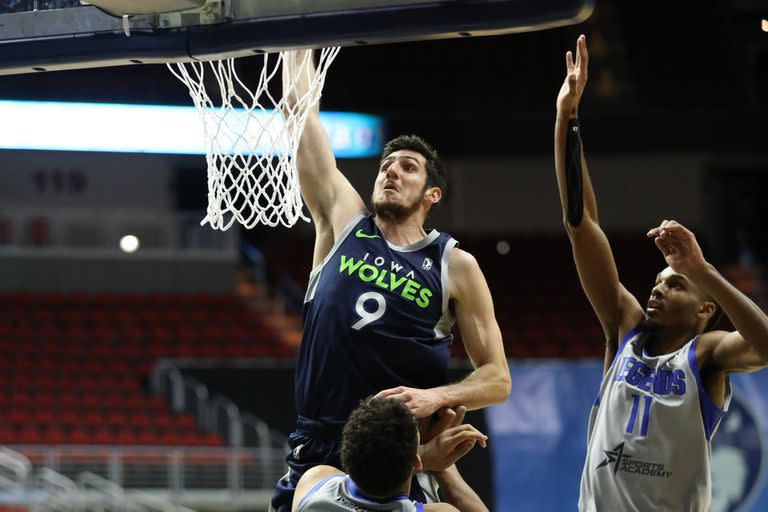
[[382, 299], [665, 375], [380, 450]]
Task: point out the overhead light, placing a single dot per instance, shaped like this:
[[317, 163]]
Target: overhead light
[[765, 25], [503, 247], [129, 243]]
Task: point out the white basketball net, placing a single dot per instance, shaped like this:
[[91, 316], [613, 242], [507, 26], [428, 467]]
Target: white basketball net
[[251, 137]]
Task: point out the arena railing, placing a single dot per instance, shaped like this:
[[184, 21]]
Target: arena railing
[[213, 413], [195, 477]]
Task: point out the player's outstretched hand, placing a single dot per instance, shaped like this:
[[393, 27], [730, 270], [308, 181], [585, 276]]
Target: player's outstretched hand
[[450, 444], [575, 79], [421, 402], [432, 426], [679, 247]]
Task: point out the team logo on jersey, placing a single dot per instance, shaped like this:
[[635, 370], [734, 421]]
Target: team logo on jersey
[[622, 461], [387, 279], [427, 264], [737, 459]]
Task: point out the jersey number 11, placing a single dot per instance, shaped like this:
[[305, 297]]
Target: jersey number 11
[[647, 400]]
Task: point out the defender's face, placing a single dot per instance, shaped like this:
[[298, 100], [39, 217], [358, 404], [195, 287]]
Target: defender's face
[[400, 180], [675, 300]]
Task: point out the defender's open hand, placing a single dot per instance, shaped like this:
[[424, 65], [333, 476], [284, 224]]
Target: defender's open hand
[[575, 79]]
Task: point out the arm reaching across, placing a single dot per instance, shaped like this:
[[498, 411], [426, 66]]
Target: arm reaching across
[[490, 381], [617, 310]]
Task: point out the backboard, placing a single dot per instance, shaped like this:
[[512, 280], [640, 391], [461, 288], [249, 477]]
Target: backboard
[[62, 34]]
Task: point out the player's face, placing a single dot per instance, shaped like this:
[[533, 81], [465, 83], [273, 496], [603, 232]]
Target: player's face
[[675, 300], [399, 187]]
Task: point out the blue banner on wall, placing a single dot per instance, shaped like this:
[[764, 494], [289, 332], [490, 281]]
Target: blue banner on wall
[[538, 439]]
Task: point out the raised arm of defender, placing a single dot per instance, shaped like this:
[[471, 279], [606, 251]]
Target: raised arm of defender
[[743, 350], [616, 308], [331, 199]]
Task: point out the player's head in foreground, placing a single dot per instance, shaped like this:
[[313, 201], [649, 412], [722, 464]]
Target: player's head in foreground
[[379, 447]]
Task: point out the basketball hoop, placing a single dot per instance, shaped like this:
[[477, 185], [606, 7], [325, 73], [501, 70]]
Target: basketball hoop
[[251, 137]]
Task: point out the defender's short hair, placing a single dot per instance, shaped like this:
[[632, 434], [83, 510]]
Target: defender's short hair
[[379, 445]]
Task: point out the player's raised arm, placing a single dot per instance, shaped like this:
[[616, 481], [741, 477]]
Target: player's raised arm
[[617, 310], [331, 199], [743, 350]]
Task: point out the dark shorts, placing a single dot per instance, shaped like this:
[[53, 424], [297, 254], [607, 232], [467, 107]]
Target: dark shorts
[[312, 445]]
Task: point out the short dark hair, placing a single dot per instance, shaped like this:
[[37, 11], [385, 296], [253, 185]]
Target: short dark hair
[[379, 444], [435, 171]]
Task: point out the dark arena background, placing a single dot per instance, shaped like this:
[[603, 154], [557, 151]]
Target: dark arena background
[[147, 362]]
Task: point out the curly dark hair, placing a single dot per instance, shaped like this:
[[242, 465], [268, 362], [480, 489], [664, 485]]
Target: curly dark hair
[[379, 445], [435, 171]]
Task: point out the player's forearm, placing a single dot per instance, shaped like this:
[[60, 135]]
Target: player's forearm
[[314, 155], [455, 491], [561, 132], [746, 316], [561, 169], [488, 384], [298, 68]]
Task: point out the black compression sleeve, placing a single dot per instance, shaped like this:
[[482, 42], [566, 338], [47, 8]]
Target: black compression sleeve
[[575, 209]]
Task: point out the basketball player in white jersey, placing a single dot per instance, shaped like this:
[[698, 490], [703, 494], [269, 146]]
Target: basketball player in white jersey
[[665, 374], [380, 450]]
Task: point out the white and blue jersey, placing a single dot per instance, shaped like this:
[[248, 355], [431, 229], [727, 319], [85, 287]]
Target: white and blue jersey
[[649, 433], [338, 493], [376, 316]]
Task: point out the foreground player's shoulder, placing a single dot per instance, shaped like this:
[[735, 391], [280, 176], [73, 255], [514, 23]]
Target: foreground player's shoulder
[[310, 480]]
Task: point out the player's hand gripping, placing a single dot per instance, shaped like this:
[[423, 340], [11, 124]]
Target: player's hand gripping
[[421, 402], [575, 80], [679, 247], [449, 441]]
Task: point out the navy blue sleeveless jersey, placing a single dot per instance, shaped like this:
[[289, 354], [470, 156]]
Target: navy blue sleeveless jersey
[[376, 316]]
